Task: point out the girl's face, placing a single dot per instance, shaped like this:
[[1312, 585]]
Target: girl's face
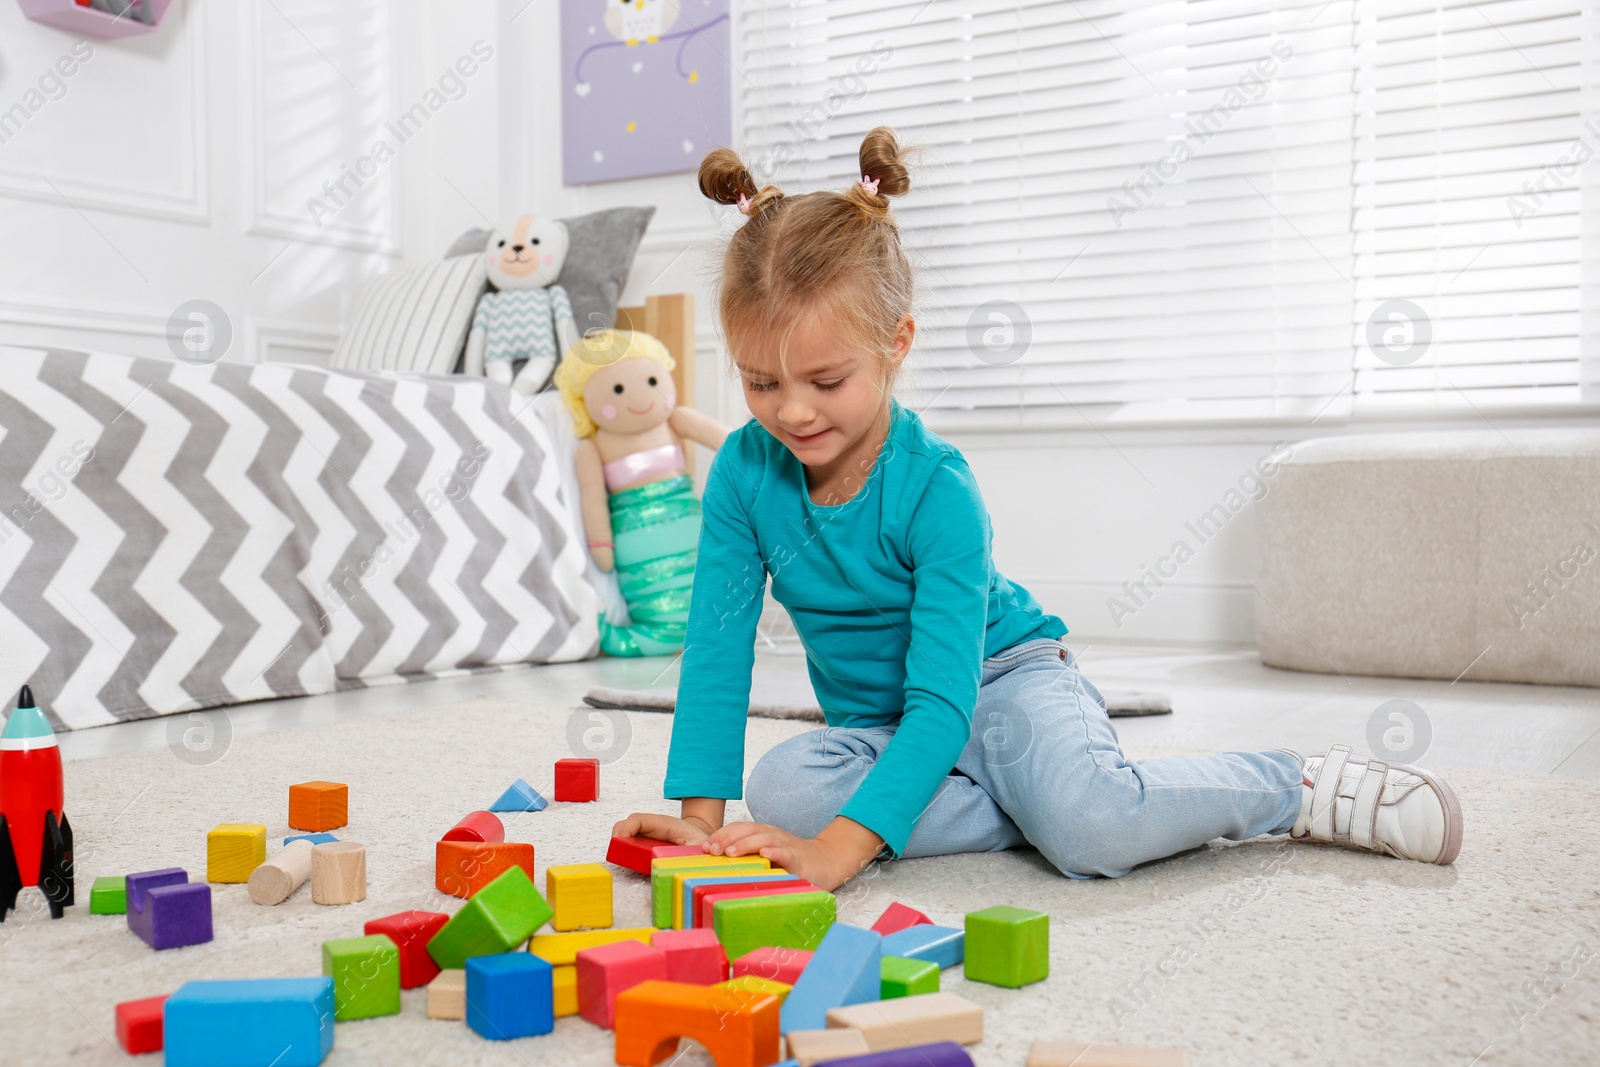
[[825, 397]]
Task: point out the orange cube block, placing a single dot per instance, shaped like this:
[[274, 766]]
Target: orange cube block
[[319, 806], [737, 1026], [461, 868]]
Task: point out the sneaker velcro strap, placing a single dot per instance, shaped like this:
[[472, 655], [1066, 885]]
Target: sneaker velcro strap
[[1364, 814], [1324, 793]]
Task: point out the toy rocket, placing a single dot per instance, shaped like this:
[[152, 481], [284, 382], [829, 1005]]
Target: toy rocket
[[35, 837]]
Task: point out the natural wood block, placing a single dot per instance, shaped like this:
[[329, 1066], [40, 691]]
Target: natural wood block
[[319, 806], [286, 871], [447, 995], [814, 1046], [339, 872], [562, 949], [580, 893], [1077, 1054], [461, 868], [917, 1020], [233, 850]]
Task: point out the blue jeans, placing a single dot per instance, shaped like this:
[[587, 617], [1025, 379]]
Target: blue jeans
[[1042, 768]]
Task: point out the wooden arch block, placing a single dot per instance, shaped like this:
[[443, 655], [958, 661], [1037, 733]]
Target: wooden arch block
[[737, 1029]]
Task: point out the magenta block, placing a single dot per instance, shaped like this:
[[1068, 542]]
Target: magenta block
[[166, 910], [693, 956]]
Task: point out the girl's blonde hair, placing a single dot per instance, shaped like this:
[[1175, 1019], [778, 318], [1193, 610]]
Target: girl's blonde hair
[[597, 349], [830, 252]]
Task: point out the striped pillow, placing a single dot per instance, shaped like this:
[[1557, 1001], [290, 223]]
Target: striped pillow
[[413, 320]]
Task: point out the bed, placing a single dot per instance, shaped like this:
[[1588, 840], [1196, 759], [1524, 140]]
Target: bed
[[176, 537]]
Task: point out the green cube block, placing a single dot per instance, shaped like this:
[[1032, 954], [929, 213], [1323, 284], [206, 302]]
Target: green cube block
[[366, 976], [1008, 946], [109, 896], [784, 920], [498, 918], [904, 978]]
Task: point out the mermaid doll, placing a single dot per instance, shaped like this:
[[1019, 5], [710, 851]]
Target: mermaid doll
[[640, 512]]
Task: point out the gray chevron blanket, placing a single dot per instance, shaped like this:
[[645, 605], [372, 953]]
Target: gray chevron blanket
[[175, 536]]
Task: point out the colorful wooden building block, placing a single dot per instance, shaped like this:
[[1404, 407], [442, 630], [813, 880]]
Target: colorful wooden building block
[[564, 986], [233, 850], [816, 1046], [666, 883], [319, 806], [937, 1054], [580, 893], [845, 969], [944, 945], [562, 949], [366, 976], [706, 898], [752, 986], [606, 970], [287, 1022], [914, 1020], [339, 872], [497, 918], [411, 931], [461, 868], [481, 826], [906, 978], [769, 961], [635, 853], [315, 839], [736, 1030], [447, 994], [166, 910], [139, 1025], [1076, 1054], [276, 879], [683, 915], [510, 995], [577, 780], [694, 957], [109, 895], [1007, 946], [897, 917], [520, 797], [784, 920]]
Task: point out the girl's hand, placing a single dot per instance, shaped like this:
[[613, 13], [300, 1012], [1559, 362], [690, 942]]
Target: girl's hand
[[662, 828], [827, 861]]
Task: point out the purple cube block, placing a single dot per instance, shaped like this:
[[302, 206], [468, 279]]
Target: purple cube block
[[166, 910], [938, 1054]]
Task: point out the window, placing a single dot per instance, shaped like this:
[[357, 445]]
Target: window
[[1229, 209]]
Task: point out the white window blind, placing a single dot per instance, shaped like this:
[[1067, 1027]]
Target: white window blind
[[1211, 209]]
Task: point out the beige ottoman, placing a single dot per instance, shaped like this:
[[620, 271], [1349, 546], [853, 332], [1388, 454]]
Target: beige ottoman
[[1435, 555]]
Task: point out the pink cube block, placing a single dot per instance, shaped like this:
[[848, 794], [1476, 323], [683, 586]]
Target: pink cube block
[[606, 970], [693, 956], [897, 917], [779, 964]]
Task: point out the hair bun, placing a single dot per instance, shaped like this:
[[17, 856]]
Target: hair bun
[[883, 162]]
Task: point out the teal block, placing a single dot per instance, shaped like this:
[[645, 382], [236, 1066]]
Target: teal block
[[1008, 946]]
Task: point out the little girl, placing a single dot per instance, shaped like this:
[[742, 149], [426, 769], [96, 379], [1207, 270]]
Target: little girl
[[957, 719]]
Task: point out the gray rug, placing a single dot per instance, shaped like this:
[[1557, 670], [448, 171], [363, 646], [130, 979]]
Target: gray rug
[[1119, 705], [1248, 954]]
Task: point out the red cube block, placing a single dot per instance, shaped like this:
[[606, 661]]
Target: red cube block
[[779, 964], [577, 779], [139, 1025], [693, 956], [606, 970], [897, 917], [410, 931], [635, 853]]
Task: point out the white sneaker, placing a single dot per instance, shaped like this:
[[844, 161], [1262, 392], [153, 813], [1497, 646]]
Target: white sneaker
[[1363, 803]]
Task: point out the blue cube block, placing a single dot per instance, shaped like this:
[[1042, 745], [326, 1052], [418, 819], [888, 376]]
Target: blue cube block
[[847, 968], [315, 839], [510, 995], [944, 945], [259, 1022]]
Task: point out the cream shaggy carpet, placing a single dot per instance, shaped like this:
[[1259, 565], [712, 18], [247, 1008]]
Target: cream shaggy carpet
[[1260, 953]]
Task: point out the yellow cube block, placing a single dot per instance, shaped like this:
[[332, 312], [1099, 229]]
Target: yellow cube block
[[560, 950], [580, 895], [234, 850], [757, 987], [565, 981]]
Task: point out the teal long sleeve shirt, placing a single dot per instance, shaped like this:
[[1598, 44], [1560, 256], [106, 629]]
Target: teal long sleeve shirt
[[895, 598]]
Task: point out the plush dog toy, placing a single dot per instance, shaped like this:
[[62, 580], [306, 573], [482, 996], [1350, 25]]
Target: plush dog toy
[[526, 316]]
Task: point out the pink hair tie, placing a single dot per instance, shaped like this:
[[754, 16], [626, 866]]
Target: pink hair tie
[[870, 184], [744, 204]]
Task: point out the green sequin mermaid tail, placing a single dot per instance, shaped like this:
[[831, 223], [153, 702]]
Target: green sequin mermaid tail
[[655, 529]]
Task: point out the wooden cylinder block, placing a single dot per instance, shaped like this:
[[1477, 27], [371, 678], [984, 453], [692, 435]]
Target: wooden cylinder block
[[339, 872], [278, 877]]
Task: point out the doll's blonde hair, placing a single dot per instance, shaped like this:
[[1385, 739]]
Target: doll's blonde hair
[[591, 352]]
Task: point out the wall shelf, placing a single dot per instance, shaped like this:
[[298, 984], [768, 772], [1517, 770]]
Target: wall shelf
[[70, 16]]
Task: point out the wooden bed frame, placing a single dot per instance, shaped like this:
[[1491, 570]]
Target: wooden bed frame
[[670, 319]]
